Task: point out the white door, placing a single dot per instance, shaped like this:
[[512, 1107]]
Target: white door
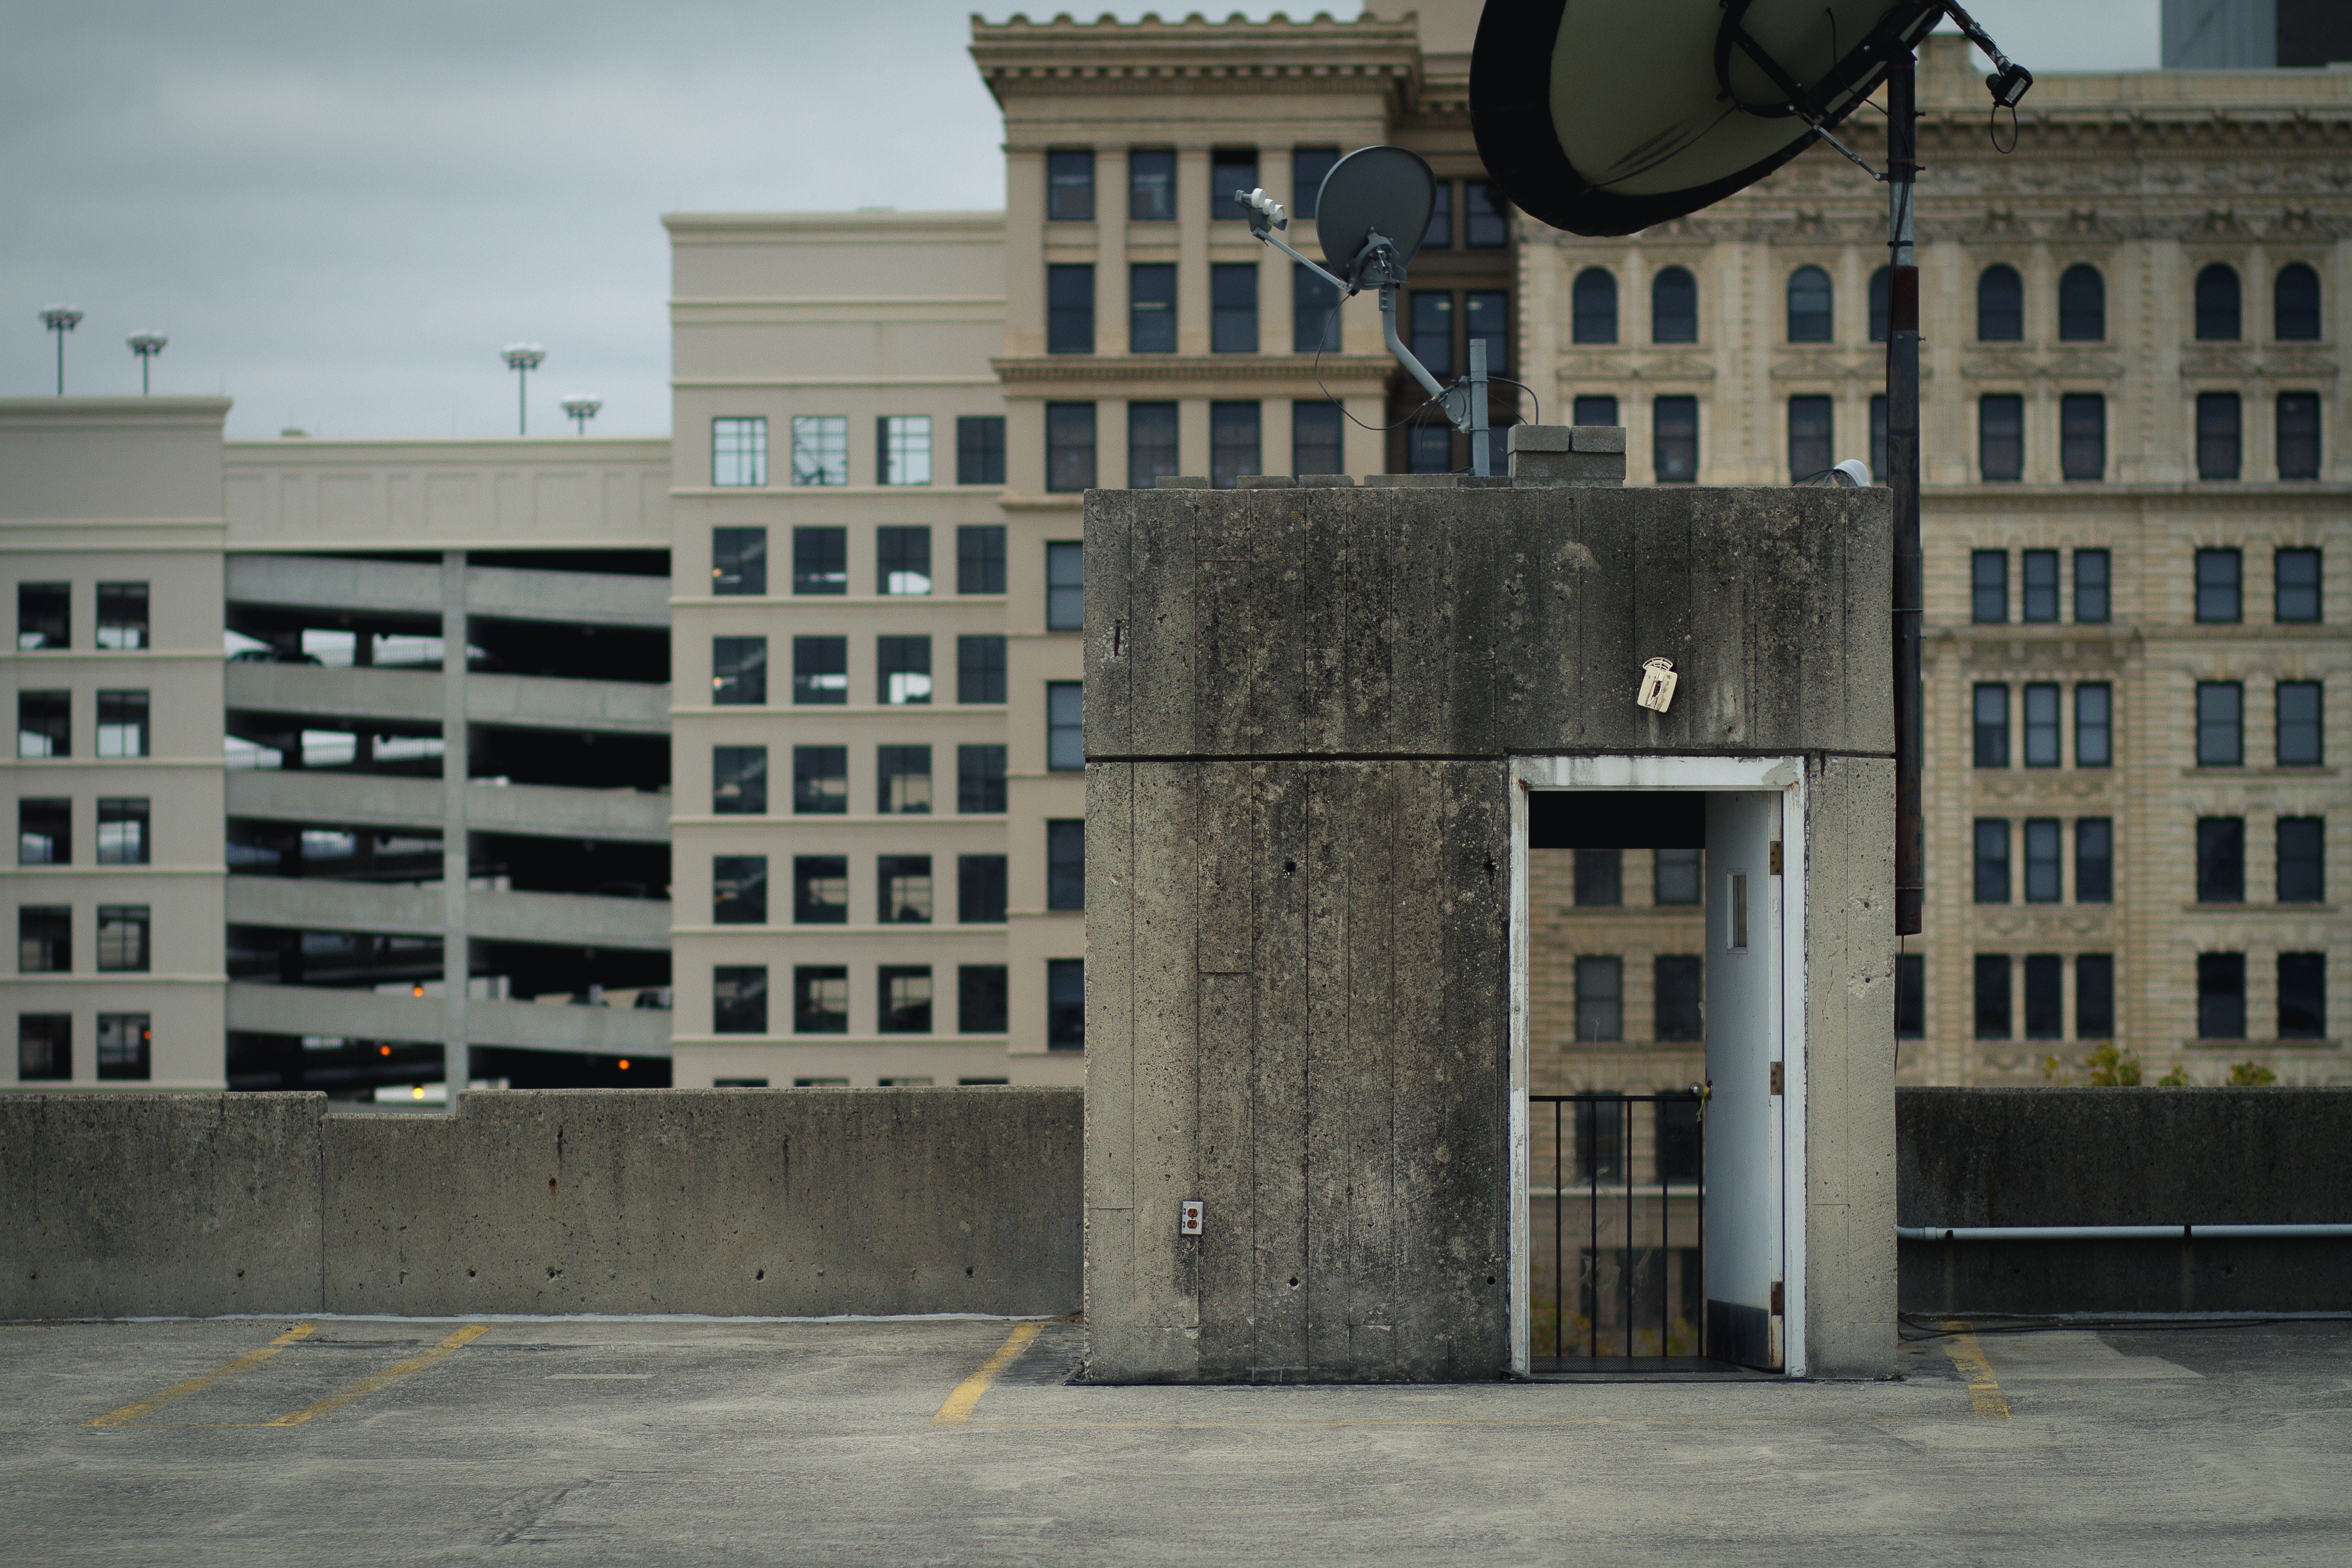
[[1743, 1059]]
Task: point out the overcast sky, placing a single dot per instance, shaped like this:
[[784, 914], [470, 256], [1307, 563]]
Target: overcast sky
[[340, 211]]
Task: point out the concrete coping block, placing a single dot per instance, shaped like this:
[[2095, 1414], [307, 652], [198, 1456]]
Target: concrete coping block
[[1181, 481], [1327, 481], [1412, 481], [1599, 437], [1268, 482], [1541, 438]]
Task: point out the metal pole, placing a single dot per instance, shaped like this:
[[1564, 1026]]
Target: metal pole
[[1559, 1254], [1903, 474], [62, 359], [1482, 450], [1625, 1174], [522, 400]]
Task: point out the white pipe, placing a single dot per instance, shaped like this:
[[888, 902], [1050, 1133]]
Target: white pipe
[[2118, 1232]]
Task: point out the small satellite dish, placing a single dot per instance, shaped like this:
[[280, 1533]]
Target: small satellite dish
[[1387, 191]]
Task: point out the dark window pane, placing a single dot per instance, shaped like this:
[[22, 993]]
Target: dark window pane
[[820, 780], [739, 999], [1810, 318], [1429, 447], [1911, 996], [902, 560], [980, 669], [2218, 585], [1600, 878], [1878, 469], [125, 1041], [2221, 996], [2094, 725], [2082, 436], [1681, 984], [820, 998], [1882, 284], [1233, 445], [1991, 723], [2217, 304], [123, 838], [1151, 185], [2299, 737], [2301, 859], [1593, 306], [739, 670], [2041, 585], [904, 776], [980, 557], [1680, 1152], [1065, 864], [1439, 234], [2040, 725], [1431, 328], [2303, 995], [739, 779], [1318, 439], [1151, 308], [2219, 447], [739, 560], [2094, 996], [1674, 307], [1485, 319], [981, 998], [1486, 216], [739, 890], [1064, 727], [904, 884], [45, 832], [903, 669], [1992, 859], [1066, 1004], [43, 1047], [2000, 437], [2094, 861], [980, 450], [1992, 996], [1231, 169], [2294, 302], [980, 890], [44, 939], [2091, 601], [2000, 305], [1313, 314], [2298, 436], [1069, 447], [821, 671], [1308, 165], [2221, 860], [2045, 997], [1989, 586], [123, 617], [1070, 308], [2082, 305], [904, 999], [1151, 442], [1066, 585], [43, 616], [1070, 184], [980, 780], [1600, 1139], [820, 560], [1233, 307], [1675, 876], [1675, 440], [1810, 452], [1600, 999], [2043, 856], [122, 724], [2298, 580], [2221, 724], [1593, 408]]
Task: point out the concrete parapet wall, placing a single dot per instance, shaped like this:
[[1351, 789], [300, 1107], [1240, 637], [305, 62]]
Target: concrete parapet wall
[[724, 1201]]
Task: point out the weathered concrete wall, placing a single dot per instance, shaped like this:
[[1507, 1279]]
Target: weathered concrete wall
[[730, 1201], [2126, 1157]]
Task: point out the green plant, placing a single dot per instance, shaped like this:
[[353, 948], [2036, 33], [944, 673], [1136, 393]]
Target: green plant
[[2176, 1079], [2251, 1075], [2051, 1073], [2110, 1068]]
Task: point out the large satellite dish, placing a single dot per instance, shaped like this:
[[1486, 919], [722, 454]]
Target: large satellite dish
[[1386, 191], [1603, 117]]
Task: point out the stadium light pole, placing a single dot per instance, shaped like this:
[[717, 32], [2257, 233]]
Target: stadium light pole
[[580, 410], [522, 358], [60, 319], [147, 345]]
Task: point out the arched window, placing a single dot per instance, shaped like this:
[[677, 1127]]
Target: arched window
[[2082, 305], [1674, 307], [2000, 305], [2296, 304], [1595, 299], [1810, 320], [1880, 282], [2217, 304]]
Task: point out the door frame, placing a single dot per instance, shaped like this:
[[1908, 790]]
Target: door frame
[[1784, 774]]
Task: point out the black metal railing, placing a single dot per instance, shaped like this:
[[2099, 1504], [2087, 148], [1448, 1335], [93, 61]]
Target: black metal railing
[[1652, 1230]]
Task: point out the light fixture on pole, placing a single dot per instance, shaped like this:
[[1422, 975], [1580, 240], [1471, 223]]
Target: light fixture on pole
[[580, 410], [60, 319], [522, 358], [147, 345]]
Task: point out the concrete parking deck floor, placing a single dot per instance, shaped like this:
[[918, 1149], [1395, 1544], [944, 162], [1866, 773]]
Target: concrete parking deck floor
[[322, 1440]]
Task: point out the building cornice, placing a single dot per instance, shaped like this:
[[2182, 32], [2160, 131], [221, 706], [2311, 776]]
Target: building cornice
[[1022, 57]]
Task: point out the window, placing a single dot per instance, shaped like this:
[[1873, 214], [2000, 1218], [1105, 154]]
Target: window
[[903, 444], [1309, 166], [2303, 995], [1429, 447], [44, 619], [2094, 996], [121, 724], [44, 939], [820, 780], [2000, 305], [1992, 996], [2295, 304], [2041, 585], [1317, 441], [739, 779], [122, 831], [1151, 442], [124, 1042], [981, 999], [2082, 436], [1070, 308], [1600, 999], [1232, 443], [1069, 447], [902, 560], [1600, 878], [820, 449], [2301, 859], [1601, 1138], [43, 1047], [2218, 444], [1151, 185], [1487, 320], [2221, 860], [2042, 861], [1992, 859], [2091, 605], [2217, 304], [1992, 710], [1674, 307], [1070, 184], [739, 670], [44, 833], [739, 451], [2219, 575], [1066, 1004], [980, 780], [2000, 437], [1064, 727], [2299, 724], [739, 889], [1911, 996], [1486, 216], [1066, 585], [738, 561], [2082, 305], [980, 669], [1231, 169], [2094, 725], [2095, 859], [2298, 436], [1882, 284], [122, 938], [1680, 981], [905, 884], [1432, 331], [1674, 440], [1593, 305], [980, 557], [122, 615], [1439, 234], [1233, 307], [1810, 314], [1065, 864], [2040, 725], [2221, 724], [820, 998], [2220, 996], [980, 890], [1151, 308], [1313, 314], [2045, 997], [903, 780], [1594, 409], [1680, 1155], [902, 670], [1989, 586], [1675, 876], [1810, 438], [905, 997], [1878, 469], [979, 449]]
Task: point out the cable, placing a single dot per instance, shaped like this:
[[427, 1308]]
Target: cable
[[1331, 320]]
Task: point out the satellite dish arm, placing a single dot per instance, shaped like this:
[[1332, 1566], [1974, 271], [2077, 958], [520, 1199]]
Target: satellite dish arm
[[1404, 355], [1265, 215]]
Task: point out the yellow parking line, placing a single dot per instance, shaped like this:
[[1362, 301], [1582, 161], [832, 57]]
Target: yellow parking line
[[1984, 1391], [129, 1412], [958, 1409], [367, 1385]]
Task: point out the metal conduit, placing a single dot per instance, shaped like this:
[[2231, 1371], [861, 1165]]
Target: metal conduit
[[2118, 1232]]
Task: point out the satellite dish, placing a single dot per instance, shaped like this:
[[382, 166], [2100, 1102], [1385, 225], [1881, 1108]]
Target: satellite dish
[[1386, 191], [1603, 117]]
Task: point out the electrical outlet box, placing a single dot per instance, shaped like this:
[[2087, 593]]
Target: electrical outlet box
[[1188, 1218]]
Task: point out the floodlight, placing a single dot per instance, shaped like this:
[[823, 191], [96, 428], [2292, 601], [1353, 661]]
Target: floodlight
[[580, 410], [522, 358], [60, 319], [147, 345]]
